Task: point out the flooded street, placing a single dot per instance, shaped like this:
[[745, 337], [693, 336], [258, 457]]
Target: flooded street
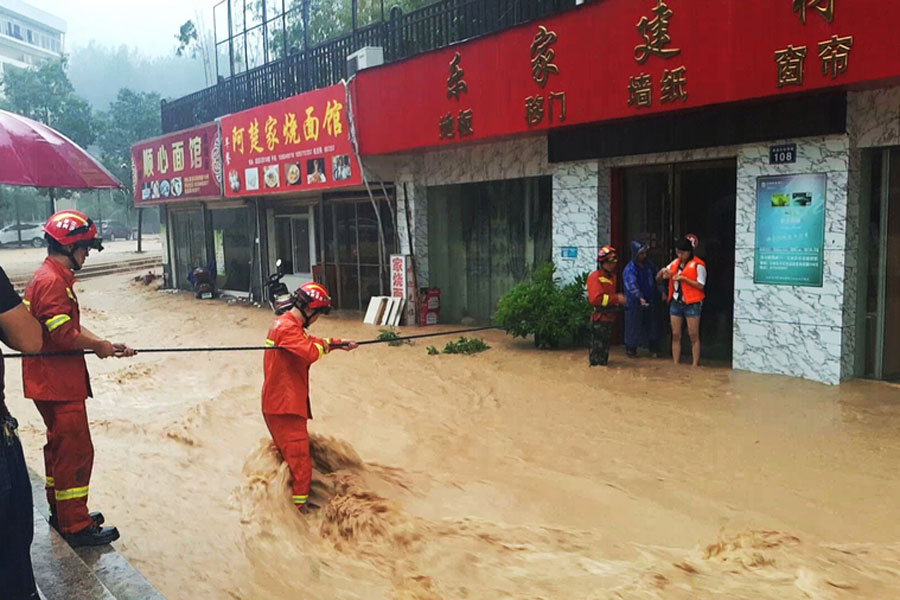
[[509, 474]]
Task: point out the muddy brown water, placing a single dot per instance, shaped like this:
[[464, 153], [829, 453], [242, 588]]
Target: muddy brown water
[[510, 474]]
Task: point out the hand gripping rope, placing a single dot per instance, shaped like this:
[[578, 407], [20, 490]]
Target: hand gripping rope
[[245, 348]]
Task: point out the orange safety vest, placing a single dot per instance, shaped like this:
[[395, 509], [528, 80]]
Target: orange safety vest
[[691, 294]]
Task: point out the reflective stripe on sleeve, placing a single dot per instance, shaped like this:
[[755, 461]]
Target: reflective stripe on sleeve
[[70, 294], [50, 482], [72, 493], [27, 304], [299, 499], [605, 300], [270, 343], [319, 348], [57, 321]]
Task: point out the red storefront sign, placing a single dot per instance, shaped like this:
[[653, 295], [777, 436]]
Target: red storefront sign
[[619, 59], [294, 145], [185, 165]]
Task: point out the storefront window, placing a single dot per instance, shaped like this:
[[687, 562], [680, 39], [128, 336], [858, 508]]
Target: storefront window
[[233, 243], [189, 245], [483, 238], [353, 252]]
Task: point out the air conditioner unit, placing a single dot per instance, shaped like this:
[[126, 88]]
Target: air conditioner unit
[[369, 56]]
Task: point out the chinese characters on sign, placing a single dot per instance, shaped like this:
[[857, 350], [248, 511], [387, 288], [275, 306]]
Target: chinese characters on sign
[[456, 85], [163, 173], [542, 66], [834, 54], [655, 33], [823, 7], [270, 149], [790, 65]]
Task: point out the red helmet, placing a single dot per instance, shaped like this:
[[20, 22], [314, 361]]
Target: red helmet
[[314, 296], [71, 227], [606, 253]]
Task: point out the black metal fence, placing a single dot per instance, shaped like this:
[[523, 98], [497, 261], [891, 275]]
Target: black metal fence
[[434, 26]]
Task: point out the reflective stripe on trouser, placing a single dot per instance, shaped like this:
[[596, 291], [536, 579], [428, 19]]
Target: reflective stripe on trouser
[[68, 460], [291, 437]]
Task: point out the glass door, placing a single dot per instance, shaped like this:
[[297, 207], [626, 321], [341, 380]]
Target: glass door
[[295, 246], [188, 236], [880, 259]]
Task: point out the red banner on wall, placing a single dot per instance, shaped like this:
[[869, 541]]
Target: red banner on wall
[[185, 165], [620, 59], [294, 145]]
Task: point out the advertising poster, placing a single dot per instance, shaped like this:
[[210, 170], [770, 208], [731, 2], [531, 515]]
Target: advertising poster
[[298, 144], [790, 229], [180, 166]]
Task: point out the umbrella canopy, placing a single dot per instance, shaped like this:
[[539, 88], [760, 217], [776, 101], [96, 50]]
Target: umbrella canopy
[[32, 154]]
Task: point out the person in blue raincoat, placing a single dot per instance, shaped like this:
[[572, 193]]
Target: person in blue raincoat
[[641, 324]]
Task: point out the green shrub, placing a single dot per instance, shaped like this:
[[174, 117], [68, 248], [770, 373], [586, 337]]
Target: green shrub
[[540, 307], [432, 350]]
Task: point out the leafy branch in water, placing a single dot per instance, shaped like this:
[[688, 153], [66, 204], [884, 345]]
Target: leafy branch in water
[[394, 339], [465, 345]]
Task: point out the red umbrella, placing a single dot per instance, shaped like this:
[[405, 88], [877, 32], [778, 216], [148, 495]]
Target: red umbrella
[[34, 155]]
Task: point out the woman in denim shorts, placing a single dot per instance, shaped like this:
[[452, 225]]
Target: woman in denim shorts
[[687, 280]]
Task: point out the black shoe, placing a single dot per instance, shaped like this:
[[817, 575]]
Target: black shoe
[[96, 516], [92, 535]]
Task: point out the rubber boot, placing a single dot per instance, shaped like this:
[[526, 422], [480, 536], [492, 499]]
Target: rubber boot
[[97, 517], [92, 535]]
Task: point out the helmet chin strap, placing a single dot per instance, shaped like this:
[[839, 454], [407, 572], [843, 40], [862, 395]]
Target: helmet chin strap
[[71, 256]]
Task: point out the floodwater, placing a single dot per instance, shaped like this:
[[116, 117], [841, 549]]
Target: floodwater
[[510, 474]]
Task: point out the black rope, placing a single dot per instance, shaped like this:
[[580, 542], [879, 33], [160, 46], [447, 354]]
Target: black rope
[[242, 348]]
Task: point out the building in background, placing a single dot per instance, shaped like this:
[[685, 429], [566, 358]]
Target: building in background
[[28, 35]]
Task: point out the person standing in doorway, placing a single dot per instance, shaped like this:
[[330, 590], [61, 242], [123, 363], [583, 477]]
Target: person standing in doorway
[[59, 385], [601, 289], [687, 280], [20, 331], [641, 326]]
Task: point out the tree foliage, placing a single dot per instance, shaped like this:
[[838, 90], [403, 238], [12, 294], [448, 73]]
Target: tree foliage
[[132, 117], [45, 94], [541, 307]]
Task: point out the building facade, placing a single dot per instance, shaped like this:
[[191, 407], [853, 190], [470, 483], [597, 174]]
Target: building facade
[[770, 131], [29, 35]]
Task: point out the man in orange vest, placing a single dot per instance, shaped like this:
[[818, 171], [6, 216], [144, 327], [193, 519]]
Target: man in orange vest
[[59, 385], [687, 280], [601, 288], [285, 392]]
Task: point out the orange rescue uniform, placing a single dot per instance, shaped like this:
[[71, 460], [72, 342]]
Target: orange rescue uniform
[[285, 395], [601, 288], [59, 387]]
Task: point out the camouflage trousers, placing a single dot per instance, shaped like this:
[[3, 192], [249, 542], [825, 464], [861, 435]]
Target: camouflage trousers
[[601, 338]]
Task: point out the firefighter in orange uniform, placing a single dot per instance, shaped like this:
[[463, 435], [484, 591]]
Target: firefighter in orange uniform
[[59, 385], [285, 392], [601, 288]]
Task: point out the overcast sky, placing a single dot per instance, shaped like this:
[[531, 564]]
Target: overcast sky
[[148, 25]]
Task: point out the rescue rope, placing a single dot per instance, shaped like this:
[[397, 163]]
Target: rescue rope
[[243, 348]]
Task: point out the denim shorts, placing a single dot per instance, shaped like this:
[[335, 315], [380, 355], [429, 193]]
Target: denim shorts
[[680, 309]]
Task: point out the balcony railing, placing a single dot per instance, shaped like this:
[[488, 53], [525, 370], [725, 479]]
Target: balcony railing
[[435, 26]]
